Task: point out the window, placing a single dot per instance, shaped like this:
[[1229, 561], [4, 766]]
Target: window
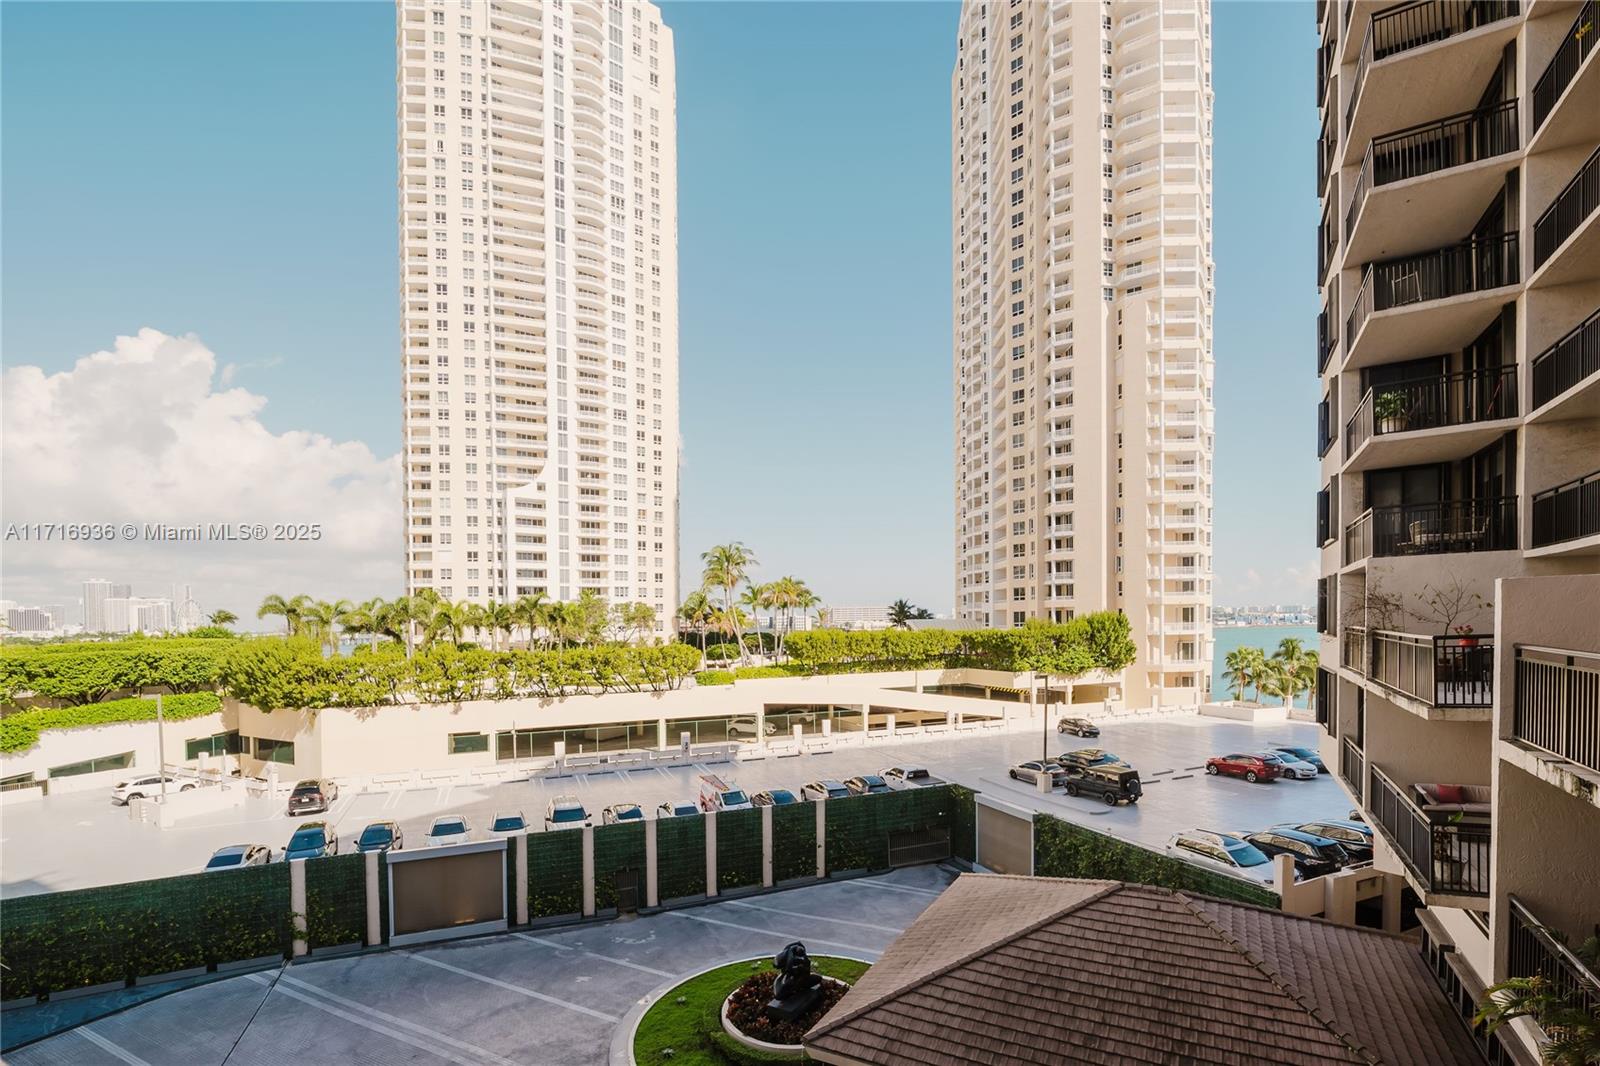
[[16, 781], [269, 750], [94, 766], [467, 743], [216, 744]]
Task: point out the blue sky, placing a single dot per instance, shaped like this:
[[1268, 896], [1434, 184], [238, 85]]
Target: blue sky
[[227, 170]]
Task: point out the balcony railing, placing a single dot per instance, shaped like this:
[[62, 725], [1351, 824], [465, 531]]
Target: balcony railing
[[1358, 539], [1353, 653], [1433, 402], [1575, 47], [1441, 671], [1562, 218], [1474, 265], [1558, 703], [1324, 701], [1406, 26], [1532, 950], [1567, 362], [1328, 328], [1444, 527], [1450, 857], [1567, 511], [1432, 147], [1352, 766]]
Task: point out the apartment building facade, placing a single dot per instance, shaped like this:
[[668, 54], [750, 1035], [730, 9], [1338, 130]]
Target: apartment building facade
[[1458, 517], [1082, 273], [539, 299]]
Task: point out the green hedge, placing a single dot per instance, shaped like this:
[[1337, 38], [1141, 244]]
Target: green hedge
[[714, 677], [336, 900], [555, 873], [739, 858], [87, 672], [858, 827], [65, 940], [616, 848], [1062, 849], [20, 731], [1094, 641], [794, 841], [680, 858]]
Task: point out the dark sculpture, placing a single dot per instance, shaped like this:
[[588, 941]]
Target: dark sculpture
[[796, 989]]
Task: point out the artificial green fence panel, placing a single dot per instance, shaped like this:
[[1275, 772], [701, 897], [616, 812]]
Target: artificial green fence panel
[[859, 826], [794, 841], [555, 873], [964, 830], [680, 858], [617, 849], [1062, 849], [63, 940], [739, 863], [336, 900]]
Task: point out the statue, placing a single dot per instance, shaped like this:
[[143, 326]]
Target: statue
[[796, 989]]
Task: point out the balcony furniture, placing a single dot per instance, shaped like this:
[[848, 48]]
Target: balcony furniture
[[1445, 526], [1441, 802], [1448, 856]]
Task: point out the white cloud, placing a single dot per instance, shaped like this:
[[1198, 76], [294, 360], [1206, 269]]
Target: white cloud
[[148, 432]]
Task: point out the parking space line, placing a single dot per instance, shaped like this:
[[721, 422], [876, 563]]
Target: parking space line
[[863, 883], [891, 930], [509, 987], [356, 1019], [373, 1012], [108, 1047], [594, 955], [874, 952]]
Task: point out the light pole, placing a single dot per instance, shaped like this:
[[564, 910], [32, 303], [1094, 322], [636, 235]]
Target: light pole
[[161, 746]]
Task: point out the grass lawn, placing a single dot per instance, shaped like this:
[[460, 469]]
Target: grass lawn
[[693, 1028]]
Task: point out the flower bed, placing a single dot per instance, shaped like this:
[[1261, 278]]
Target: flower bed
[[747, 1009]]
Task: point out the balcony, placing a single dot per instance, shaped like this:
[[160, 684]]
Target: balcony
[[1415, 185], [1558, 704], [1441, 527], [1423, 59], [1436, 301], [1572, 361], [1391, 425], [1534, 950], [1569, 516], [1569, 79], [1439, 671], [1353, 649], [1566, 237], [1352, 767], [1446, 856], [1358, 539]]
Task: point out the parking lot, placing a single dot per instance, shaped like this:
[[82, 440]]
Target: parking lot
[[556, 996], [81, 840]]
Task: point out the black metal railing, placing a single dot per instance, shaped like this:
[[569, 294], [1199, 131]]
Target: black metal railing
[[1481, 395], [1406, 26], [1567, 362], [1441, 671], [1328, 328], [1449, 857], [1562, 218], [1432, 147], [1558, 703], [1352, 766], [1324, 700], [1473, 265], [1567, 512], [1327, 246], [1324, 614], [1534, 950], [1353, 649], [1326, 147], [1358, 538], [1563, 66], [1445, 527]]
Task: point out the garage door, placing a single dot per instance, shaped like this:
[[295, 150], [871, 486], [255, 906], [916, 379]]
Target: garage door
[[1005, 838]]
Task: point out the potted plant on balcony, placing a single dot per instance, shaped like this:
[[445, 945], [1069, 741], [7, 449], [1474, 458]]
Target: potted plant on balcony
[[1389, 411]]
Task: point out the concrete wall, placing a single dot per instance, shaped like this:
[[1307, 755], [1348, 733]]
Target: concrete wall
[[59, 747]]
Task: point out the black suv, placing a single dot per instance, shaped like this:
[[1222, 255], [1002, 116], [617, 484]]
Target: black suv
[[312, 797], [1110, 781]]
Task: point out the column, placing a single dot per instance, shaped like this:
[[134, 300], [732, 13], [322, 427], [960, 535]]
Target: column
[[711, 852], [822, 835], [522, 878], [588, 871], [652, 895], [766, 847], [374, 917], [297, 905]]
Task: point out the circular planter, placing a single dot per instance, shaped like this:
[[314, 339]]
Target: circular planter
[[794, 1050]]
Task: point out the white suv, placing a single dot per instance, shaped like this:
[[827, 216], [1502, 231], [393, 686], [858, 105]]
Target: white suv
[[146, 787], [565, 812]]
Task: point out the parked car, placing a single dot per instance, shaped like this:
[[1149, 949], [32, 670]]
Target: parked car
[[312, 840], [745, 725], [312, 797], [565, 812], [235, 856], [147, 786], [898, 777], [1354, 837], [1087, 757], [677, 810], [1030, 771], [1252, 768], [448, 829], [867, 785], [719, 795], [508, 823], [777, 797], [1078, 727], [1288, 766], [1222, 851], [1313, 856], [815, 790], [1110, 782], [381, 836], [1303, 754], [618, 813]]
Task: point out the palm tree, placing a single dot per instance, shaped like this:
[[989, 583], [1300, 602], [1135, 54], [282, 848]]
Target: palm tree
[[1238, 672], [1255, 668], [727, 566], [1572, 1032], [901, 612], [824, 615], [291, 610], [695, 613], [451, 620], [729, 621], [803, 600], [368, 618], [323, 619], [222, 618], [1289, 662], [758, 598], [497, 618], [529, 611]]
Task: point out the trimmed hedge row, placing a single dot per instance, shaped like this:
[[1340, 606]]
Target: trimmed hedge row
[[88, 672], [1095, 641], [20, 731], [1062, 849]]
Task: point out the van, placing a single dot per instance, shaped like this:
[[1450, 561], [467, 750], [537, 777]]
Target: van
[[718, 795]]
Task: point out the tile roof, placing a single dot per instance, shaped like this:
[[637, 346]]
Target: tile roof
[[1004, 969]]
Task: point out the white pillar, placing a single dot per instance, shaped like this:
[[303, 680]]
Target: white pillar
[[766, 847], [588, 871], [652, 894], [374, 918], [822, 836], [798, 731], [561, 754], [1042, 783], [522, 878], [661, 733], [297, 905], [711, 852]]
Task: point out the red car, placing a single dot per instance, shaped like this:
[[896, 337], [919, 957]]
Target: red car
[[1250, 767]]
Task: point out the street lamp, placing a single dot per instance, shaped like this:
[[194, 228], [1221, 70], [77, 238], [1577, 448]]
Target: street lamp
[[161, 745]]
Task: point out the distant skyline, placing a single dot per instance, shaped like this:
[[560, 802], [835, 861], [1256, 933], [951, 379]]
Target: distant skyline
[[222, 175]]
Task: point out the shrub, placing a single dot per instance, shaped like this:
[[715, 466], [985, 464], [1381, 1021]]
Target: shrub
[[722, 651], [714, 677], [90, 672], [1062, 849], [748, 673], [20, 731], [1095, 641]]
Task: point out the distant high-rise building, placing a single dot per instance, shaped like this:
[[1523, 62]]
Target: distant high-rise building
[[539, 300], [96, 592], [1081, 175], [29, 620]]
